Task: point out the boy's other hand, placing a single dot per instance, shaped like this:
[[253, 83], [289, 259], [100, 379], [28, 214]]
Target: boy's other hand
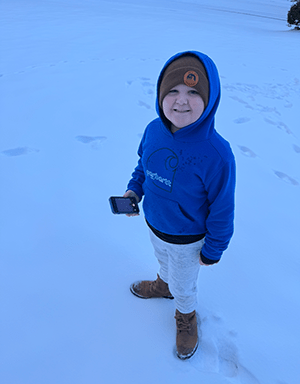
[[130, 193], [201, 263]]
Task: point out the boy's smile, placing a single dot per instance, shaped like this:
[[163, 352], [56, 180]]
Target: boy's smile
[[182, 106]]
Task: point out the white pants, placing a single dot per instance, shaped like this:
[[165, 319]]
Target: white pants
[[179, 267]]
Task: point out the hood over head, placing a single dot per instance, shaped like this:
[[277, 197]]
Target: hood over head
[[208, 86]]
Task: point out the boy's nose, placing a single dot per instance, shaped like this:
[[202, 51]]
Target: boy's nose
[[181, 99]]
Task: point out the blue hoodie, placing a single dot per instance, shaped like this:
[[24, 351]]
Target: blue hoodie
[[187, 178]]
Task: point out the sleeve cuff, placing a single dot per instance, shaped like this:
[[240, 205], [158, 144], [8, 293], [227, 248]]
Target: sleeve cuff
[[205, 260]]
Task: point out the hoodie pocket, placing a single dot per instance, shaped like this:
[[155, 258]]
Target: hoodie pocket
[[166, 215], [185, 214]]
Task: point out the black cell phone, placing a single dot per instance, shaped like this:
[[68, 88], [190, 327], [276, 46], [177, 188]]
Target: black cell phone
[[125, 205]]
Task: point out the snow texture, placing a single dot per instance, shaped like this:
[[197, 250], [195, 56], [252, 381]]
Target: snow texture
[[77, 88]]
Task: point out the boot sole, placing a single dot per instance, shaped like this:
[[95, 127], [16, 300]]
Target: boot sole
[[185, 357], [144, 297]]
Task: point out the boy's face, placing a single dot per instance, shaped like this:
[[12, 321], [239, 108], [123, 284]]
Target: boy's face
[[182, 106]]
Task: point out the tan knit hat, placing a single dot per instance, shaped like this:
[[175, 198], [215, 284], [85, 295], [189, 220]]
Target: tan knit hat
[[186, 70]]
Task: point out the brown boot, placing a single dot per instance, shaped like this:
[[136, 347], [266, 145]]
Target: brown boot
[[151, 289], [187, 334]]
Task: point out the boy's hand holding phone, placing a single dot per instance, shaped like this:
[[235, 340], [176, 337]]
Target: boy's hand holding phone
[[130, 193], [127, 204]]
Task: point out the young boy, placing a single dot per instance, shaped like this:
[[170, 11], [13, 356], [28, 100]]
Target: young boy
[[186, 173]]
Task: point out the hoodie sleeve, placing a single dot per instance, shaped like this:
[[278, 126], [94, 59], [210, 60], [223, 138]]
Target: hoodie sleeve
[[138, 176], [219, 223]]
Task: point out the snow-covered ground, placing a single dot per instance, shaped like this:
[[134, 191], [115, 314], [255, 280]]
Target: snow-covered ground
[[77, 83]]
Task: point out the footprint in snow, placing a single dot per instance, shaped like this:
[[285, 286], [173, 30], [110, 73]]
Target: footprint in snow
[[296, 148], [143, 104], [241, 120], [286, 178], [143, 88], [241, 101], [280, 125], [19, 151], [246, 151], [218, 353], [94, 141]]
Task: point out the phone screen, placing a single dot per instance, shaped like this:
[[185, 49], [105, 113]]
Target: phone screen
[[124, 205]]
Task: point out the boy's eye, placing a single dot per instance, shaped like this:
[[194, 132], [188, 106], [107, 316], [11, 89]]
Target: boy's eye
[[173, 91], [194, 92]]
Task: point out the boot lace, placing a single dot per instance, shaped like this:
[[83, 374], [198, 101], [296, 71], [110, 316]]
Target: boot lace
[[153, 286], [182, 323]]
